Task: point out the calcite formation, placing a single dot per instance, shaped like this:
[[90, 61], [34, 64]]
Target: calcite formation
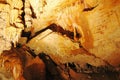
[[79, 32], [11, 23], [95, 21]]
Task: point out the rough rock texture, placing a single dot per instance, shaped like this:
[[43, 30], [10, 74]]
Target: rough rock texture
[[70, 36], [12, 64], [95, 26], [18, 64], [10, 23]]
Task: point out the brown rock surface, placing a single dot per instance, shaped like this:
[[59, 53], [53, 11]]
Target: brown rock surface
[[72, 39], [96, 23]]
